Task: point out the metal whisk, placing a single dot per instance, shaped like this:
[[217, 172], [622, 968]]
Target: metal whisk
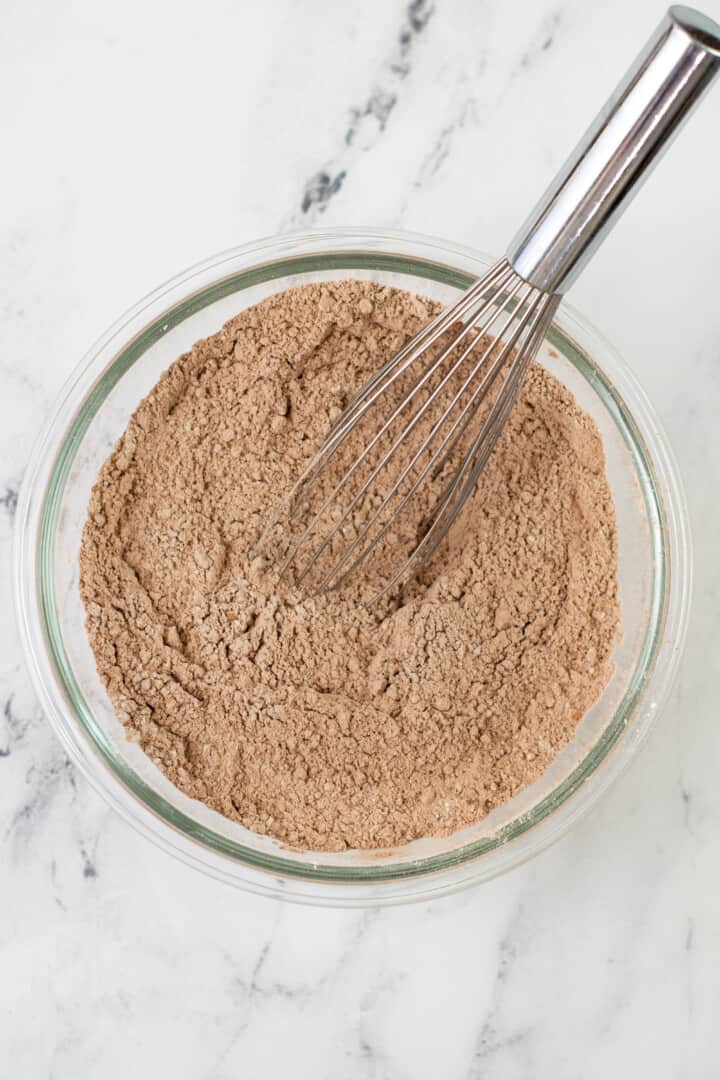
[[467, 366]]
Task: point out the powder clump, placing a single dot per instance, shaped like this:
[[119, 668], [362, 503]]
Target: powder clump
[[319, 720]]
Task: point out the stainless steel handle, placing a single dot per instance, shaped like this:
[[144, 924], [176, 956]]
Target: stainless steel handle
[[618, 151]]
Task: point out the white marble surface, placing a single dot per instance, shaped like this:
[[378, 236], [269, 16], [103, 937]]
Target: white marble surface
[[139, 137]]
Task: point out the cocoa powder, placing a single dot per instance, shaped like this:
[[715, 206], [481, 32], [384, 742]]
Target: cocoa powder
[[317, 719]]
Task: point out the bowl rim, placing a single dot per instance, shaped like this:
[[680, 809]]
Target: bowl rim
[[198, 845]]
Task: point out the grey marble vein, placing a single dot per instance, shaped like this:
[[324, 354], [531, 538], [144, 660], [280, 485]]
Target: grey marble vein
[[367, 121], [494, 1036], [16, 721], [544, 39], [440, 149], [9, 500], [43, 779]]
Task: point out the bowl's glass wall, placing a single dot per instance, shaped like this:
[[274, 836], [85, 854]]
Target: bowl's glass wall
[[134, 358]]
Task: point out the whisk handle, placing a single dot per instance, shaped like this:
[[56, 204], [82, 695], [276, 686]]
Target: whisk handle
[[618, 150]]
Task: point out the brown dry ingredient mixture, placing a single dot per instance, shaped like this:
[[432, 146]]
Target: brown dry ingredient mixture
[[320, 721]]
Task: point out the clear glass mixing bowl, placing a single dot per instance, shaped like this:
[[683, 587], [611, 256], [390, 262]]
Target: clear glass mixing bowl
[[654, 567]]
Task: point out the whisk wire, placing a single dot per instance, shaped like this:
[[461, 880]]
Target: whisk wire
[[498, 276], [480, 451], [501, 297], [443, 451], [461, 421], [413, 350], [402, 437]]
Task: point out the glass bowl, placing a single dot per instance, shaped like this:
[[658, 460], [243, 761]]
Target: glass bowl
[[654, 571]]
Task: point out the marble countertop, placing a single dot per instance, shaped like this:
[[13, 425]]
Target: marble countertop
[[139, 138]]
